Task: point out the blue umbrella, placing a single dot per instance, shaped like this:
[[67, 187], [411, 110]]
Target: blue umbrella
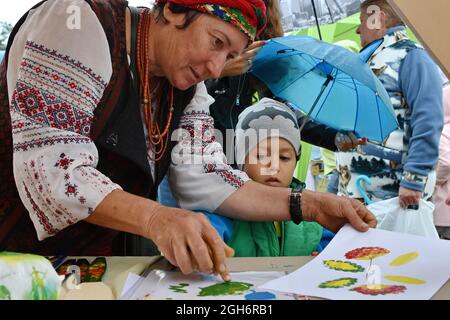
[[329, 83]]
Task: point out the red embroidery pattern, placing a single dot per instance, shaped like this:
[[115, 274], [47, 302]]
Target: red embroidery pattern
[[37, 107], [64, 162], [65, 59], [43, 220], [52, 106], [200, 126], [71, 190], [225, 173], [49, 141], [38, 170]]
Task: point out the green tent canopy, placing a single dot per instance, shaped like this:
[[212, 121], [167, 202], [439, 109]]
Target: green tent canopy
[[344, 29]]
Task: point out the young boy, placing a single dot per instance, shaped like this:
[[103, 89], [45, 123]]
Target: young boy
[[267, 149]]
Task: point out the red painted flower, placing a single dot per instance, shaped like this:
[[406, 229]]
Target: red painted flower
[[366, 253], [381, 289]]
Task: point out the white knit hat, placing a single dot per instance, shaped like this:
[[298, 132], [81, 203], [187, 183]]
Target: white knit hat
[[265, 119]]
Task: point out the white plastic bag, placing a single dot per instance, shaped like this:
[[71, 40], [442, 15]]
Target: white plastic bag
[[392, 217]]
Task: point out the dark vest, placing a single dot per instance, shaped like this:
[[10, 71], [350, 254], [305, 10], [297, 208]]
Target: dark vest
[[118, 133]]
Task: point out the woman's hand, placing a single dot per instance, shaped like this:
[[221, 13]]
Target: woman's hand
[[334, 212], [188, 241], [243, 62]]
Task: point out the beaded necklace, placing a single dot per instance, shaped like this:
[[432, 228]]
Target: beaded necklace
[[158, 139]]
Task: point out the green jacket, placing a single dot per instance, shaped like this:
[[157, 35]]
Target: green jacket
[[259, 239]]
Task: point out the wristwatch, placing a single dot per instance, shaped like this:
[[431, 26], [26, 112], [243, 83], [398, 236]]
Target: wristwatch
[[295, 205]]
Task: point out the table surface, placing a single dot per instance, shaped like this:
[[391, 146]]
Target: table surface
[[118, 269]]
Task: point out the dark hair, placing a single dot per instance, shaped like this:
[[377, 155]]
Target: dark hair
[[273, 29], [190, 14]]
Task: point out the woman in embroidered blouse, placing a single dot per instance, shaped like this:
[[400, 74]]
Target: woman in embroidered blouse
[[59, 81]]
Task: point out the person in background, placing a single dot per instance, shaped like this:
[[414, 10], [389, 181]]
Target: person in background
[[328, 156], [405, 165], [441, 197]]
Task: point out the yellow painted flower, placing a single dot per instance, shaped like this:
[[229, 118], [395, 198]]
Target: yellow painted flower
[[343, 266], [338, 283], [404, 259], [404, 279]]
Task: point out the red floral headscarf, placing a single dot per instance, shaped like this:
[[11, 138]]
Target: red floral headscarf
[[249, 16]]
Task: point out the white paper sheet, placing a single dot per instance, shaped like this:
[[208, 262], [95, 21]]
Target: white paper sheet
[[169, 285], [131, 280], [411, 267]]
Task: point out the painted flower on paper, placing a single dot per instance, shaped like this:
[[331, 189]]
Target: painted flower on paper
[[343, 266], [366, 253], [404, 259], [338, 283], [225, 289], [381, 289]]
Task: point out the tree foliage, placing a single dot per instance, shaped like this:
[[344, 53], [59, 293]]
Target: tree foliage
[[5, 30]]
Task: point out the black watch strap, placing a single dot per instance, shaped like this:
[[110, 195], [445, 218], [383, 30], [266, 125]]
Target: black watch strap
[[295, 206]]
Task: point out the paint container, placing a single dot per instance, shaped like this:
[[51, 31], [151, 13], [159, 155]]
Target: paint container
[[27, 277]]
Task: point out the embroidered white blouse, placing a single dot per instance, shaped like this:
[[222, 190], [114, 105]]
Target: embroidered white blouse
[[56, 74]]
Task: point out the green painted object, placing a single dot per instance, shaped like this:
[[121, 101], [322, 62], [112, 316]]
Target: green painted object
[[179, 288], [4, 293], [225, 289]]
